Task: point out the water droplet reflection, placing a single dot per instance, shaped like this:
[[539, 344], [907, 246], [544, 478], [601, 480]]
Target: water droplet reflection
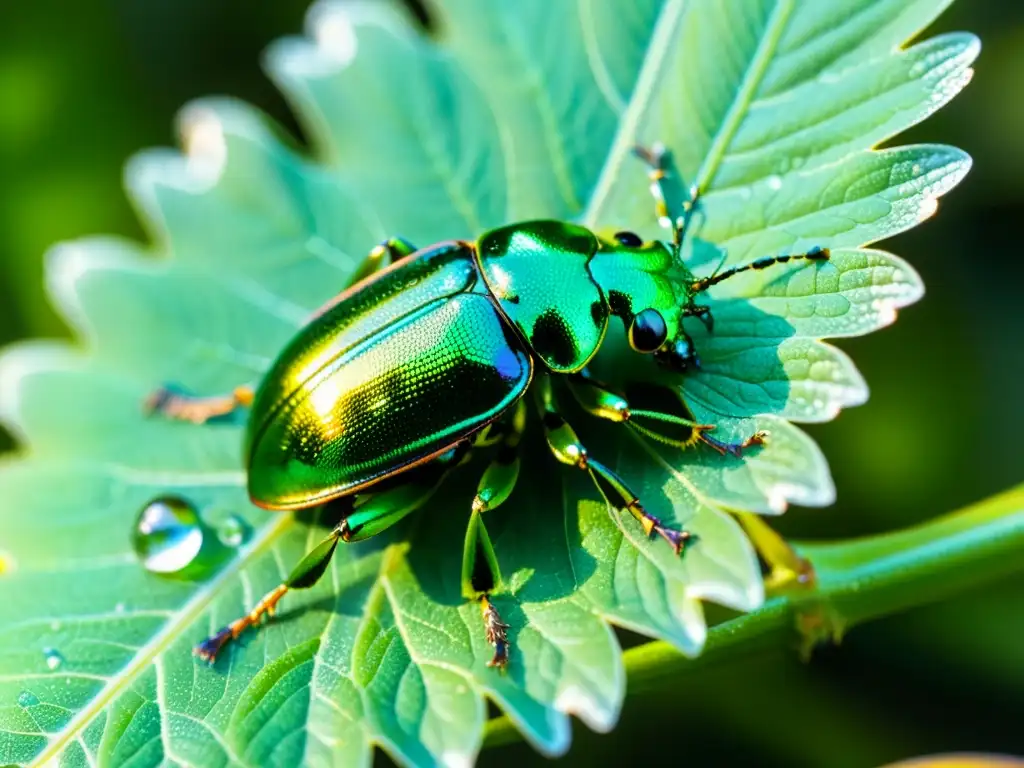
[[53, 658], [233, 531], [168, 535]]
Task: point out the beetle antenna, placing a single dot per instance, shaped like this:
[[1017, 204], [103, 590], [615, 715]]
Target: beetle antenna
[[815, 254]]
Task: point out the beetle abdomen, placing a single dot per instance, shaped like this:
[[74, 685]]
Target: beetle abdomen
[[403, 394]]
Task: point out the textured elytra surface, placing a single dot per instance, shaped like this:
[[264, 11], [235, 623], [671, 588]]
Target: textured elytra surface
[[772, 106]]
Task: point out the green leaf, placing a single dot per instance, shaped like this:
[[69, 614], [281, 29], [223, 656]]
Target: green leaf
[[771, 106]]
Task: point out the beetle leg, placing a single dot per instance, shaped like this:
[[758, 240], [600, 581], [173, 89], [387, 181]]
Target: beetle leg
[[480, 572], [367, 515], [198, 410], [669, 196], [384, 253], [304, 575], [499, 479], [786, 567], [654, 411], [567, 448], [671, 422], [481, 576], [702, 313]]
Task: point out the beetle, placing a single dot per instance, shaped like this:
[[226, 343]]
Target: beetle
[[430, 353]]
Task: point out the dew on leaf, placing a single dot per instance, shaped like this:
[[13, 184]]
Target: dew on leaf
[[168, 535], [27, 699], [233, 531], [53, 657], [774, 183]]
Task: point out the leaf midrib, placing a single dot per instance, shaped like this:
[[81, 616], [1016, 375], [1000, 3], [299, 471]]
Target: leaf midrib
[[150, 652], [661, 43]]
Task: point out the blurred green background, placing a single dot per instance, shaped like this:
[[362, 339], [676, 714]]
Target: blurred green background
[[84, 85]]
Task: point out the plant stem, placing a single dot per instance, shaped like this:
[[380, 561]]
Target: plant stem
[[858, 580]]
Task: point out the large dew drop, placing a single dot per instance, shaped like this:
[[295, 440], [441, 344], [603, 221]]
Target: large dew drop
[[168, 535]]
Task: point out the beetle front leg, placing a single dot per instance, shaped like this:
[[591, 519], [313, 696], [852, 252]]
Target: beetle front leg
[[567, 448], [674, 206]]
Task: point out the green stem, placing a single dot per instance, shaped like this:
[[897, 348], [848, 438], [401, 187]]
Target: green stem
[[858, 580]]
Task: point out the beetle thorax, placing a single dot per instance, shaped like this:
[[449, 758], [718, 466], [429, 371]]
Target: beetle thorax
[[539, 274]]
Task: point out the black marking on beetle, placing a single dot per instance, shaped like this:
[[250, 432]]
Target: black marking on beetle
[[629, 239], [620, 304], [506, 454], [552, 421], [481, 578], [598, 313], [551, 339], [817, 253]]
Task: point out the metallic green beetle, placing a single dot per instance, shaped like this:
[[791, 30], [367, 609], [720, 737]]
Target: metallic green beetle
[[392, 383]]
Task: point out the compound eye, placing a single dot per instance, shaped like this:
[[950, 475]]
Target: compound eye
[[629, 239], [648, 331]]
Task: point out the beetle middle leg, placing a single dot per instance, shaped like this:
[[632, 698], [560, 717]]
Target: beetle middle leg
[[654, 411], [567, 448], [481, 575]]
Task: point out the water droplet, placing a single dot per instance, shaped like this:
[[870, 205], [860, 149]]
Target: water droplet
[[55, 626], [53, 658], [233, 531], [119, 608], [27, 699], [774, 183], [167, 535]]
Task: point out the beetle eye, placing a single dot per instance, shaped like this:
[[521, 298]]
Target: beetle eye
[[629, 239], [648, 331]]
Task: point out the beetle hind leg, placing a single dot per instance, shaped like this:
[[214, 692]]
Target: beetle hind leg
[[363, 516], [198, 410]]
